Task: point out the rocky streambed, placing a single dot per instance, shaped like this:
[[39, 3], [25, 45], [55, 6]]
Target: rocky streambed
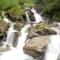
[[36, 47], [37, 41]]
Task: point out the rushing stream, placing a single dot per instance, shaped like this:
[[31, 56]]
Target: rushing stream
[[10, 34], [53, 49], [17, 53]]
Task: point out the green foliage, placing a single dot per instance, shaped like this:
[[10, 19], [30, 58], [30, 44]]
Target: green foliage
[[6, 4], [52, 8], [15, 7], [41, 26], [16, 11], [27, 3]]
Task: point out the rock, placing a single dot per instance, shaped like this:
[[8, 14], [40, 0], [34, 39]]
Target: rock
[[42, 32], [36, 47], [45, 32], [4, 49], [3, 28], [58, 58], [14, 15], [15, 39], [18, 26], [41, 29]]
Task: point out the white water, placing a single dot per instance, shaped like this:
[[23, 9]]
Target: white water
[[17, 53], [53, 49], [5, 19], [27, 16], [38, 18], [23, 36], [10, 34], [56, 29]]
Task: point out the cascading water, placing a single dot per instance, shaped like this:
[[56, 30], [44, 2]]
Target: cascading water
[[38, 18], [53, 49], [22, 38], [17, 53], [27, 16], [10, 34]]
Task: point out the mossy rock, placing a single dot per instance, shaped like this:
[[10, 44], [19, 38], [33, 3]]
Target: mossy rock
[[18, 26], [15, 14], [40, 29]]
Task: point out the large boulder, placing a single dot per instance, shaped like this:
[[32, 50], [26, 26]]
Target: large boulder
[[36, 47], [41, 29]]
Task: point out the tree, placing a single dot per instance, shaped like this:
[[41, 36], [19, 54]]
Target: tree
[[52, 8]]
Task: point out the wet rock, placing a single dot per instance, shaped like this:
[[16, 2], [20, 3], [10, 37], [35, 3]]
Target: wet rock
[[3, 29], [46, 32], [41, 29], [58, 58], [42, 32], [4, 49], [36, 47], [15, 39], [14, 16], [18, 26]]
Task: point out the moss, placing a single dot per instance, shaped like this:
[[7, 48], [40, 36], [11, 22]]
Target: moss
[[41, 26], [40, 29]]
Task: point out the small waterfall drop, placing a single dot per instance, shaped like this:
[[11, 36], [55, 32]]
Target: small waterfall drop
[[27, 16], [23, 36], [38, 18], [10, 34], [17, 53], [53, 49]]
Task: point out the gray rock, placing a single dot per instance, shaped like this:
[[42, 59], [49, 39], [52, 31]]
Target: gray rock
[[36, 47]]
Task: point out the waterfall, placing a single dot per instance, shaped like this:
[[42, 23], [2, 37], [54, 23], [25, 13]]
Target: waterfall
[[10, 34], [23, 36], [38, 18], [53, 48], [17, 53], [27, 16]]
